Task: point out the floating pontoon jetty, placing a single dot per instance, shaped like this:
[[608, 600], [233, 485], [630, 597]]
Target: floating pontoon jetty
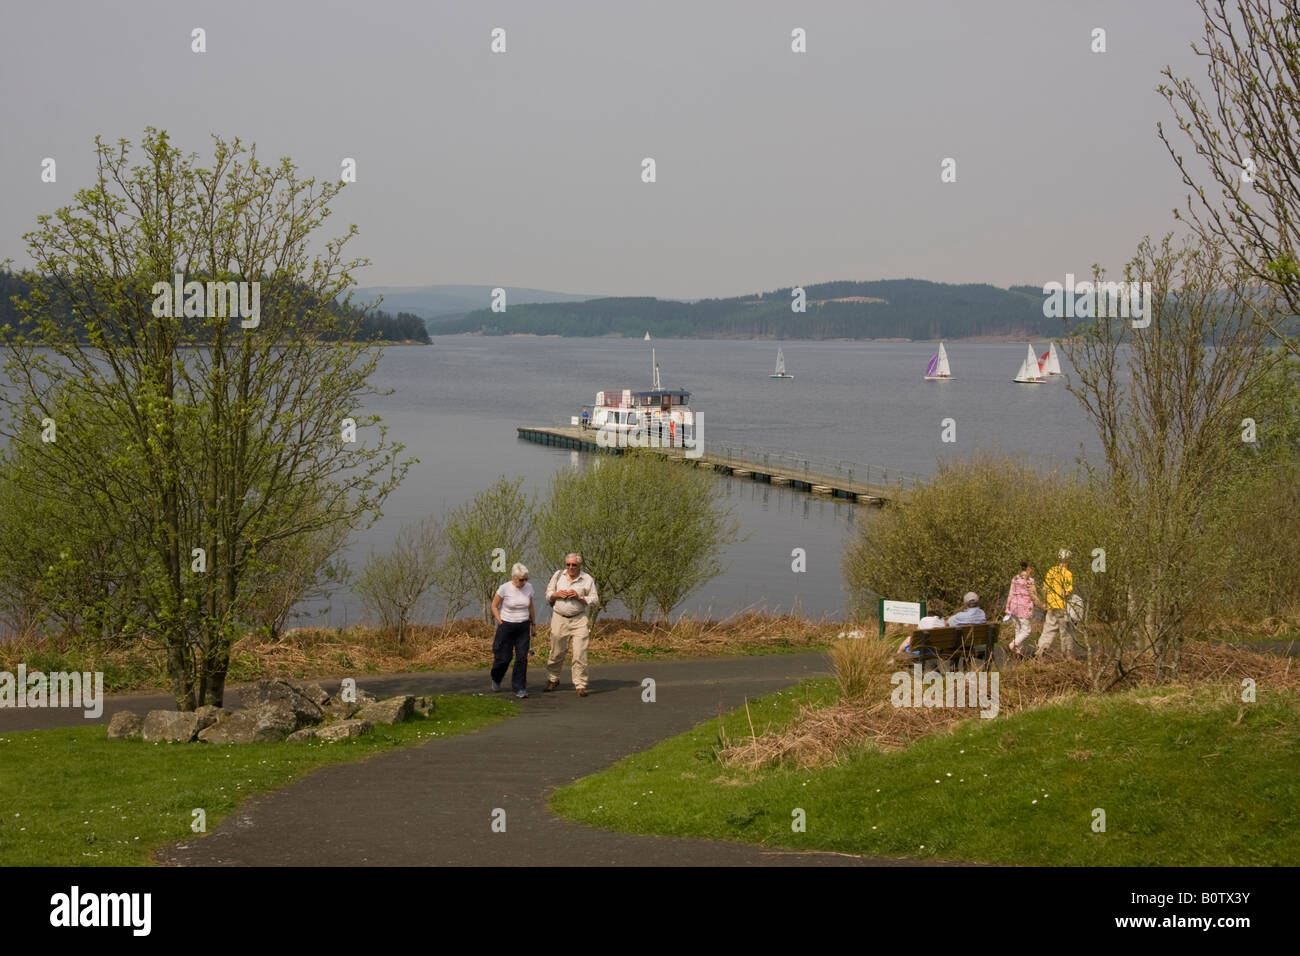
[[827, 477]]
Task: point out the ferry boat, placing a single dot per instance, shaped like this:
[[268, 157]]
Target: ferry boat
[[663, 413]]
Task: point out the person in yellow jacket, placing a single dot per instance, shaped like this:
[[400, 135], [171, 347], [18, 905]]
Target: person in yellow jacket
[[1058, 585]]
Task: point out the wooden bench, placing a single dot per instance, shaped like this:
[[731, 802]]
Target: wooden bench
[[970, 647]]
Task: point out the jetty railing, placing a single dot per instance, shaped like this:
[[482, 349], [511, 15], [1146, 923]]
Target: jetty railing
[[800, 463], [814, 464]]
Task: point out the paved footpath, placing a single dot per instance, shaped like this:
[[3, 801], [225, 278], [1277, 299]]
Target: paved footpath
[[432, 804]]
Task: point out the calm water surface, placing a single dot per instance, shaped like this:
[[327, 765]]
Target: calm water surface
[[456, 404]]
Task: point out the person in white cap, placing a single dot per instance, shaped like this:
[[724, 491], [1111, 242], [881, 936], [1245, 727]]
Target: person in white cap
[[1058, 585], [971, 612]]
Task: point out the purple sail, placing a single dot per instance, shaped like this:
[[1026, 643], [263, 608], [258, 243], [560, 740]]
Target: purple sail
[[933, 366]]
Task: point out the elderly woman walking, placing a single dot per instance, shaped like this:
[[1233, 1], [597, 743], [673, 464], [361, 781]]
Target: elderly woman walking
[[512, 606], [1022, 598]]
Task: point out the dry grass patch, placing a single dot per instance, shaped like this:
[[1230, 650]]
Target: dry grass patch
[[1284, 624], [865, 717], [311, 652]]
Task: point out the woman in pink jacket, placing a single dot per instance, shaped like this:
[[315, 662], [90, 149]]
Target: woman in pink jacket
[[1021, 601]]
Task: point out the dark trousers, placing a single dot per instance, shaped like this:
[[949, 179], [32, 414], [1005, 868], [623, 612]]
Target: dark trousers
[[511, 638]]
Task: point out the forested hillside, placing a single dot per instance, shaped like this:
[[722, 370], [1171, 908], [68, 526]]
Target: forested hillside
[[889, 308]]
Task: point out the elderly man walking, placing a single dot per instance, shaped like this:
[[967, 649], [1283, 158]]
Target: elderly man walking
[[571, 594], [1058, 586]]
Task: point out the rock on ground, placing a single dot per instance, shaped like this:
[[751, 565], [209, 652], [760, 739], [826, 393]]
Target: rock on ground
[[394, 710], [284, 696], [340, 710], [343, 730], [170, 726], [124, 726], [265, 723], [315, 693]]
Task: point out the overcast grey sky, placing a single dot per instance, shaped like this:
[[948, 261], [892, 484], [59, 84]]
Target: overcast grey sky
[[524, 168]]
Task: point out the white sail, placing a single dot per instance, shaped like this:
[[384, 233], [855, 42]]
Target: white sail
[[1053, 361], [1029, 367], [942, 368], [647, 336], [780, 362]]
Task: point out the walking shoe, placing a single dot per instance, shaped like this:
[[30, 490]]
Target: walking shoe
[[521, 694], [582, 692], [496, 685], [550, 686]]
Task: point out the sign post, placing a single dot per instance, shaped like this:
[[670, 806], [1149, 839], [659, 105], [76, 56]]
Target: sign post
[[900, 612]]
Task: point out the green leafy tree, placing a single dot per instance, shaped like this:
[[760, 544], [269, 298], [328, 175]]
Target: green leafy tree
[[485, 538], [967, 529], [228, 432], [681, 540], [636, 520]]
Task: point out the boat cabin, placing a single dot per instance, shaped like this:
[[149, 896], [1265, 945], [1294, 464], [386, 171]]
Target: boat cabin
[[625, 409]]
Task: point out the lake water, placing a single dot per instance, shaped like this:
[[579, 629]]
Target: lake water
[[456, 405]]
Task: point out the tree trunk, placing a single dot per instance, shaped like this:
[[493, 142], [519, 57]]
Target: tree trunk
[[182, 689], [217, 666]]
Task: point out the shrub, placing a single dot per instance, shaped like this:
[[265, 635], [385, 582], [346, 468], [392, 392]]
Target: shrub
[[968, 529]]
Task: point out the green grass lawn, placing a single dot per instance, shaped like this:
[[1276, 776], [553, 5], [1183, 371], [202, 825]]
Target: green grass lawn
[[1184, 779], [71, 797]]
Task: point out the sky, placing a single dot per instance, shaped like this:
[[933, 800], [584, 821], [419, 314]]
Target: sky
[[524, 168]]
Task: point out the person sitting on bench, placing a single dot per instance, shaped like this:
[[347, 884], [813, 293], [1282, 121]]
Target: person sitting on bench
[[929, 622], [971, 613]]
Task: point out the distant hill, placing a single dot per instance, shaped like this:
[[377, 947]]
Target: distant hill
[[439, 301], [882, 309]]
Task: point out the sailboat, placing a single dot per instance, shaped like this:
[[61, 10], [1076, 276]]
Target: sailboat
[[780, 366], [1049, 362], [647, 335], [937, 370], [1029, 373]]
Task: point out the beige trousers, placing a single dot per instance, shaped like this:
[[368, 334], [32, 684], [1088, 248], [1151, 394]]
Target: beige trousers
[[564, 629], [1055, 623]]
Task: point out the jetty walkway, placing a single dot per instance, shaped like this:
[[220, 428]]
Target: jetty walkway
[[832, 478]]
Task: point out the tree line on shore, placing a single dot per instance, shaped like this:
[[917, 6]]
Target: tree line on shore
[[889, 308]]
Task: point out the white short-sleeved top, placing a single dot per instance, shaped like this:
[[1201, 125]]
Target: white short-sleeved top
[[515, 601]]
